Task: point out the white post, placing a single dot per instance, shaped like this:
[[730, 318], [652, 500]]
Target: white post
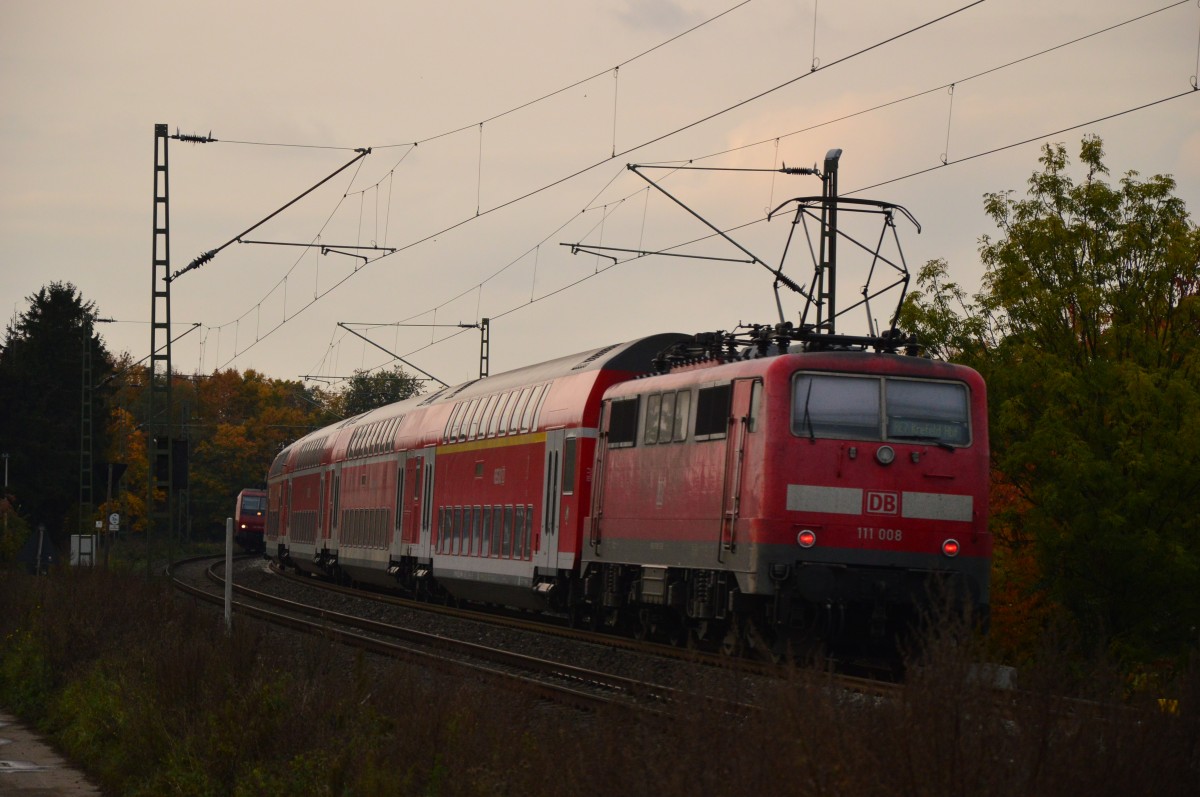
[[228, 575]]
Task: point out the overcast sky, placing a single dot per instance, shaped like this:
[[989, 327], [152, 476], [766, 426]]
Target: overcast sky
[[477, 210]]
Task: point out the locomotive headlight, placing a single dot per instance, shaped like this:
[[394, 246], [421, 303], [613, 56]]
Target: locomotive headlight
[[885, 455], [807, 538], [950, 547]]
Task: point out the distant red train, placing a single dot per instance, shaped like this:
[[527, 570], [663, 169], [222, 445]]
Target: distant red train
[[726, 490], [249, 520]]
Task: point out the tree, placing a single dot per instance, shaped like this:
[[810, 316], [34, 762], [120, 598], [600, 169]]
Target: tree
[[1087, 328], [367, 391], [240, 422], [41, 392]]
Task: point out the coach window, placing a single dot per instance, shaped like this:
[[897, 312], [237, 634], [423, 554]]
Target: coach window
[[712, 412], [510, 401], [683, 406], [476, 417], [513, 424], [494, 422], [653, 410], [450, 423], [534, 399], [486, 416], [537, 412], [486, 543], [622, 422], [568, 468], [469, 419], [337, 495], [518, 534], [497, 523], [529, 531], [476, 531], [506, 540], [666, 419]]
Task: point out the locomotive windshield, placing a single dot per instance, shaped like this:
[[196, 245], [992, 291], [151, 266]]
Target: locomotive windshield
[[254, 503], [880, 408]]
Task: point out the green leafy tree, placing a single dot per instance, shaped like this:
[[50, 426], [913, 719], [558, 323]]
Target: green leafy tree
[[1087, 328], [41, 393], [367, 391]]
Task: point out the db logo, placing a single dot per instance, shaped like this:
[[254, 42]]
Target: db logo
[[883, 503]]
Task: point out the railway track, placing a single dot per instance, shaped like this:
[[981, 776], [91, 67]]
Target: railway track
[[491, 662], [545, 626]]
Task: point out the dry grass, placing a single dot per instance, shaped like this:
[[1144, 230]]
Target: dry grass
[[146, 692]]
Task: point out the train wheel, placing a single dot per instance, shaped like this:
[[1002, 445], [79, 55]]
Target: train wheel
[[643, 626], [679, 635], [732, 643]]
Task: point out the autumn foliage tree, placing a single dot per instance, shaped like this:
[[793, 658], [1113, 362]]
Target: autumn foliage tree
[[238, 423], [1087, 329]]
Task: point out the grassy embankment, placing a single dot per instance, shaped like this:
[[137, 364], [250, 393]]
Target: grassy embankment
[[147, 693]]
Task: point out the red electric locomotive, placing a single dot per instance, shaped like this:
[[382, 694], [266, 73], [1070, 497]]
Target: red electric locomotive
[[772, 486], [827, 494], [249, 520]]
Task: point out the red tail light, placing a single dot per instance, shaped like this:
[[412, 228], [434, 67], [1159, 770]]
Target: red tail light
[[950, 547], [806, 538]]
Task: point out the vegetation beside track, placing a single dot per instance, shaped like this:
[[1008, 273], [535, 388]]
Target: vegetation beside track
[[145, 691]]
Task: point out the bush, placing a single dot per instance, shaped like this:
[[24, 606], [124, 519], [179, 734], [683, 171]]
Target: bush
[[145, 691]]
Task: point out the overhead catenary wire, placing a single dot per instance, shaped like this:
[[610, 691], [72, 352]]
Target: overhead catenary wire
[[585, 278], [630, 150], [965, 79], [577, 83], [947, 160], [209, 255]]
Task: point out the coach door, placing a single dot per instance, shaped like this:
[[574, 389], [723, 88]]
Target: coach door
[[546, 556], [742, 411], [411, 475], [423, 500], [335, 507]]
